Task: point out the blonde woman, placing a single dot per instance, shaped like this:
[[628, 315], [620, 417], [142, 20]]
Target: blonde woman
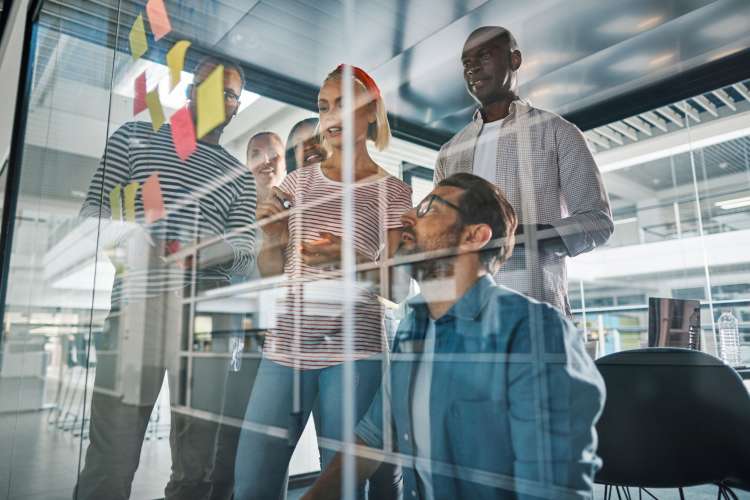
[[303, 355]]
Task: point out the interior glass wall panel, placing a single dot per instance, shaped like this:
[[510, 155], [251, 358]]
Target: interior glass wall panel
[[679, 217], [240, 266]]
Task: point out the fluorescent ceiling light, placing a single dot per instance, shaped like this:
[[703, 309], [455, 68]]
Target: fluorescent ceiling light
[[628, 25], [158, 75], [727, 28], [734, 203], [627, 220]]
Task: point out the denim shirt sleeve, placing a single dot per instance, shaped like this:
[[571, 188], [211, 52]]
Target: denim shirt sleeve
[[370, 427], [554, 401]]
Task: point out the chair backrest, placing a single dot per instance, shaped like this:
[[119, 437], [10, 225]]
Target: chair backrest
[[673, 417]]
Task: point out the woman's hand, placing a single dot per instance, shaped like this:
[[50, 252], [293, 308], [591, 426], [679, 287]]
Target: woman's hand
[[274, 206], [324, 251]]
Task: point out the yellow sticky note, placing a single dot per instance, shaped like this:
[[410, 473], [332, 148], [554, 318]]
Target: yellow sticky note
[[114, 203], [130, 192], [138, 42], [155, 109], [210, 102], [176, 61]]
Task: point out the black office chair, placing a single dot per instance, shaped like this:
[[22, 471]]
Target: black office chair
[[673, 418]]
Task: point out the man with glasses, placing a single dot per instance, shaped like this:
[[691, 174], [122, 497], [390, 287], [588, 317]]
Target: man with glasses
[[489, 394], [539, 160], [209, 200]]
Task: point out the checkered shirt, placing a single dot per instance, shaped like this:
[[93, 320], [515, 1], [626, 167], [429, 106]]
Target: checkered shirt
[[548, 174]]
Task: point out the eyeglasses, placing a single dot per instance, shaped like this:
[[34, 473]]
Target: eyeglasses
[[425, 205], [231, 96]]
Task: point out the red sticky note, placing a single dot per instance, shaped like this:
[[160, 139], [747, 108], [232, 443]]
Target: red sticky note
[[139, 99], [153, 201], [183, 133], [158, 18]]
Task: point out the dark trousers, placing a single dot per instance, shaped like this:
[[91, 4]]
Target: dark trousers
[[203, 453]]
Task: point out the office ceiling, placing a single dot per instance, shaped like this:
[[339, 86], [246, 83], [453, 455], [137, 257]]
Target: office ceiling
[[578, 55]]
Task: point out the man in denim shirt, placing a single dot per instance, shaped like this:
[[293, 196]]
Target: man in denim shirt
[[490, 394]]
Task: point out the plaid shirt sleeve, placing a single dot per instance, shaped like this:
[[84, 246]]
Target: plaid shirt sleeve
[[589, 223]]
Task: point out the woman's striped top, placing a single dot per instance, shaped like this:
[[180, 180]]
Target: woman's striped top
[[309, 327]]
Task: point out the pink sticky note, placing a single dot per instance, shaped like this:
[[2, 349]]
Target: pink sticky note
[[183, 133], [153, 201], [158, 18], [139, 99]]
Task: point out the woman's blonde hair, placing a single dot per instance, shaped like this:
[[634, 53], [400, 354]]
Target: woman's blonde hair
[[380, 131]]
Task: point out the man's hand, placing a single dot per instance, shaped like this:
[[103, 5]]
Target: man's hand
[[274, 206]]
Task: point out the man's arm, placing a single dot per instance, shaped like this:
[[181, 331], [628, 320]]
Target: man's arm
[[439, 174], [589, 224], [328, 485], [113, 169], [369, 433], [554, 401], [235, 251]]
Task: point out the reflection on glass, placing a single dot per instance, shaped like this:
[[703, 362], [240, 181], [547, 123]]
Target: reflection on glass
[[159, 340]]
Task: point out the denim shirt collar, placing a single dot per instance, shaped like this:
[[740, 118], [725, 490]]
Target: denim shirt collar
[[517, 108], [468, 307]]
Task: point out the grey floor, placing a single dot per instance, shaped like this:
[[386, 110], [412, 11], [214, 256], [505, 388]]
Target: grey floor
[[38, 461]]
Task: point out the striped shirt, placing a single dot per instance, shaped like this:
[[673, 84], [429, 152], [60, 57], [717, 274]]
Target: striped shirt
[[309, 330], [210, 195]]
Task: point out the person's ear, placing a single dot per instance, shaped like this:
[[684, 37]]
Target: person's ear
[[515, 59], [475, 237]]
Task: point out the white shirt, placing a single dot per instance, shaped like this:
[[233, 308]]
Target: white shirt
[[420, 410], [485, 154]]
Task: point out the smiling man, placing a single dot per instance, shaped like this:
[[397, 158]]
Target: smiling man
[[491, 394], [539, 160]]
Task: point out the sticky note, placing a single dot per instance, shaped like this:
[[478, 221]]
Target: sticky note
[[183, 133], [153, 201], [138, 42], [210, 102], [176, 61], [155, 109], [158, 18], [139, 96], [130, 192], [114, 203]]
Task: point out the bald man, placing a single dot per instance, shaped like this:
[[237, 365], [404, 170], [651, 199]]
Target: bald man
[[538, 159]]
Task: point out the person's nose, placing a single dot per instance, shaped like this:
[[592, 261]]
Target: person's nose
[[409, 218]]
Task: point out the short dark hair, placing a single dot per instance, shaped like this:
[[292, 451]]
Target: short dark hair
[[291, 160], [265, 133], [215, 61], [496, 33], [484, 203]]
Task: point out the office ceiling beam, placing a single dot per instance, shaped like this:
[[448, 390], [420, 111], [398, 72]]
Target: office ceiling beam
[[625, 130], [671, 115], [640, 125], [655, 120], [707, 105], [610, 134], [722, 95]]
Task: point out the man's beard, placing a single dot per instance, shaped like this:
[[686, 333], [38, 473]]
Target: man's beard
[[430, 268]]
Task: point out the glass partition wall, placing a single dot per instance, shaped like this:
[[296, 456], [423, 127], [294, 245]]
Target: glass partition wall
[[197, 305], [678, 181]]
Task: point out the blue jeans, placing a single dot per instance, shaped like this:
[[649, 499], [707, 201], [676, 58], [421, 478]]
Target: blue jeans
[[263, 457]]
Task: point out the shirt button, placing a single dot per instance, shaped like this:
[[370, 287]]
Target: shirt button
[[406, 437], [414, 493]]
